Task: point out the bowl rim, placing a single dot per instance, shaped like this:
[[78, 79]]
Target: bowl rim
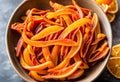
[[6, 40]]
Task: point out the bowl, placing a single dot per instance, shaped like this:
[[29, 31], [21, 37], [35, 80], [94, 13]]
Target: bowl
[[12, 36]]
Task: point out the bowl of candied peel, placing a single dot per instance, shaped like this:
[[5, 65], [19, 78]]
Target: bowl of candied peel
[[59, 40]]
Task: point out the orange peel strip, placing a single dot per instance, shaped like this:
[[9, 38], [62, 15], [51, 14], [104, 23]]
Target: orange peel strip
[[36, 76], [34, 68], [46, 54], [78, 8], [67, 19], [74, 25], [49, 21], [27, 57], [63, 11], [55, 54], [47, 31], [63, 73], [83, 65], [30, 50]]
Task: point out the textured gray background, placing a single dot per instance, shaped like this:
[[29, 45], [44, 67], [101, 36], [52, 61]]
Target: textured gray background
[[7, 74]]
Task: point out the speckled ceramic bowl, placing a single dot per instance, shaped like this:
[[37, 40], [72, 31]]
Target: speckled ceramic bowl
[[12, 37]]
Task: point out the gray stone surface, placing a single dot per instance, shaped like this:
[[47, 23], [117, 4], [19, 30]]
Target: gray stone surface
[[7, 74]]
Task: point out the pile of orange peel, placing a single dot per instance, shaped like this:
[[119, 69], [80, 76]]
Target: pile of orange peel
[[60, 44], [110, 7]]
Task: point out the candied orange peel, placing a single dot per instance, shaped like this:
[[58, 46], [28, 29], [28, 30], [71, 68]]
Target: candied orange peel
[[59, 44]]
